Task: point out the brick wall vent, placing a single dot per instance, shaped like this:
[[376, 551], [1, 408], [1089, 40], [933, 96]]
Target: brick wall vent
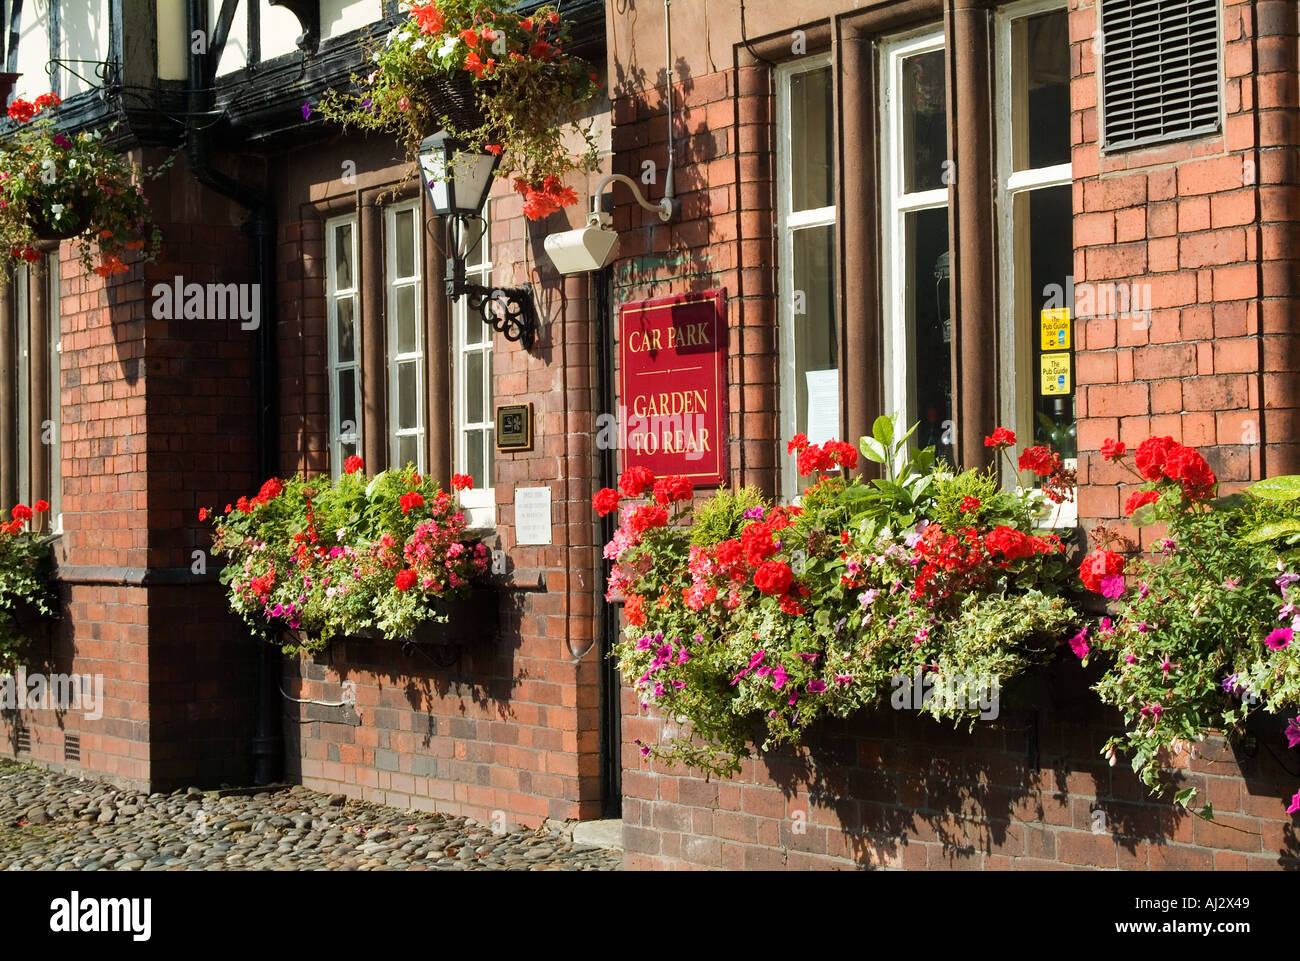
[[1160, 70], [72, 747], [22, 740]]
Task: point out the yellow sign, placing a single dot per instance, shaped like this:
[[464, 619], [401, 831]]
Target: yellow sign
[[1055, 374], [1054, 326]]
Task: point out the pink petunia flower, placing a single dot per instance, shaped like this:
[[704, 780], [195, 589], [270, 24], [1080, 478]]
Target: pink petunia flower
[[1079, 644], [1293, 732], [778, 677], [1279, 639]]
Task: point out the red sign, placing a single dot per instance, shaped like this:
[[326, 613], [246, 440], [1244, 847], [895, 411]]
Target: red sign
[[672, 385]]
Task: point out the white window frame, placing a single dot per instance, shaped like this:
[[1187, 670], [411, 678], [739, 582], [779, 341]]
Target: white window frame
[[392, 284], [479, 501], [55, 311], [333, 293], [899, 339], [23, 317], [788, 221], [1016, 339]]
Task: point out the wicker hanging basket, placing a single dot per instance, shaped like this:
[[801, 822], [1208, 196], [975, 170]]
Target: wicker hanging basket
[[450, 99], [73, 222]]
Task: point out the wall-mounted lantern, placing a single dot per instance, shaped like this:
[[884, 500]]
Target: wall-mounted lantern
[[459, 181]]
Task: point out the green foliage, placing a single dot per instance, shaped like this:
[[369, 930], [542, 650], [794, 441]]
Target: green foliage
[[75, 184], [532, 93], [26, 589], [721, 516], [752, 629], [309, 559], [1187, 645]]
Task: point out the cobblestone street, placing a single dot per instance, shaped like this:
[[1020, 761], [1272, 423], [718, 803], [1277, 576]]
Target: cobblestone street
[[50, 821]]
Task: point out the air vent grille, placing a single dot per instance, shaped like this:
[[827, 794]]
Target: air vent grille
[[1160, 70]]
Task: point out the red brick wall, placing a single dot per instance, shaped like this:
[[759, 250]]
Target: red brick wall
[[1210, 228], [157, 421], [720, 236], [894, 790], [512, 726]]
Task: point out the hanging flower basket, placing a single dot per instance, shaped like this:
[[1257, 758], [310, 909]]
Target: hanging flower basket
[[499, 81], [449, 100], [59, 186], [59, 221]]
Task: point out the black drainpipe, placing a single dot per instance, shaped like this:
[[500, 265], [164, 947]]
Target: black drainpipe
[[261, 227], [611, 742]]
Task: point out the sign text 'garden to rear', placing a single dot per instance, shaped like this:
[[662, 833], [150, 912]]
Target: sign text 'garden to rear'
[[672, 384]]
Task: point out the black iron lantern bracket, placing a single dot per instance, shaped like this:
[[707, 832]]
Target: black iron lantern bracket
[[510, 311]]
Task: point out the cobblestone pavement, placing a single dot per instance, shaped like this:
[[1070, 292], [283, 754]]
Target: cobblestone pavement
[[50, 821]]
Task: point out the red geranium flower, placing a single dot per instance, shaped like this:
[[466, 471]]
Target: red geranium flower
[[605, 500], [969, 505], [1000, 438], [353, 464], [1112, 450], [461, 482], [673, 487], [405, 579], [647, 516], [635, 480], [411, 499], [1138, 499], [21, 111], [1097, 566], [1010, 543], [1190, 469], [1150, 456], [797, 442], [773, 577], [1040, 460], [203, 513], [756, 541], [22, 512], [41, 506]]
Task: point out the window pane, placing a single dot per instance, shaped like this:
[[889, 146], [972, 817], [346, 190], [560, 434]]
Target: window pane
[[1051, 261], [474, 452], [404, 242], [407, 391], [346, 386], [343, 257], [404, 309], [474, 327], [346, 329], [476, 252], [816, 344], [1041, 64], [811, 150], [929, 330], [474, 387], [408, 450], [925, 130]]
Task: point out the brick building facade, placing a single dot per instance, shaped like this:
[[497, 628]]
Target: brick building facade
[[885, 191]]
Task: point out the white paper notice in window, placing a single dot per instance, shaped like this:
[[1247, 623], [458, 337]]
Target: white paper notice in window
[[532, 515], [823, 405]]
